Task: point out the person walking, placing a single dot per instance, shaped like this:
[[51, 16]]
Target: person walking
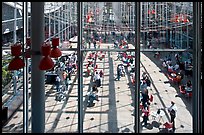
[[172, 111], [119, 72], [97, 79], [145, 111]]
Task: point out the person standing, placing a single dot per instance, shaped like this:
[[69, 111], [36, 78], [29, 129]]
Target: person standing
[[94, 42], [172, 111], [97, 79], [57, 82], [65, 77]]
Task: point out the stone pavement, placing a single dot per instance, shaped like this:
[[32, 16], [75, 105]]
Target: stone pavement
[[113, 112]]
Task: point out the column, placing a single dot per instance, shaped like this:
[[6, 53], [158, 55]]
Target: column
[[37, 76], [137, 64], [197, 91], [25, 70], [80, 65]]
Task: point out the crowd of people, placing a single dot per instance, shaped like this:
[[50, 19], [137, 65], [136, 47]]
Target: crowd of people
[[178, 70], [67, 66], [64, 68]]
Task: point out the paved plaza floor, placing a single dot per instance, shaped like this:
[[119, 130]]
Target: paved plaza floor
[[114, 112]]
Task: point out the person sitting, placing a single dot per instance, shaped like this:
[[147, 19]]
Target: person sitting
[[168, 61], [188, 87], [93, 95], [176, 67], [164, 64], [170, 68], [189, 84]]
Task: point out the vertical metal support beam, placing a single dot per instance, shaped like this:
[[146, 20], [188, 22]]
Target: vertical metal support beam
[[137, 64], [14, 26], [14, 41], [197, 92], [54, 19], [37, 76], [59, 23], [25, 69], [49, 23], [80, 63]]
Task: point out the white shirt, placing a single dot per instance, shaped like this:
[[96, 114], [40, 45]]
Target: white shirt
[[170, 67], [96, 77], [173, 107], [176, 67], [58, 79]]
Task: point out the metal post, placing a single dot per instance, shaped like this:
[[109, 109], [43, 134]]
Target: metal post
[[49, 26], [37, 76], [187, 35], [197, 91], [14, 27], [65, 23], [25, 70], [14, 41], [137, 64], [54, 19], [62, 23], [80, 65], [59, 23]]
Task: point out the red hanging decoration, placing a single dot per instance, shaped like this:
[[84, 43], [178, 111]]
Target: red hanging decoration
[[185, 20], [46, 62], [153, 11], [16, 63], [55, 52], [55, 42], [149, 12]]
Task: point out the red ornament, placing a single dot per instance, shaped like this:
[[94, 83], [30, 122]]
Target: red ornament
[[45, 49], [55, 41], [55, 52], [27, 53], [185, 20], [149, 12], [46, 62], [16, 49], [153, 11], [16, 63]]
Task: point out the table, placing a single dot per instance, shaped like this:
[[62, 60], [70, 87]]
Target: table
[[156, 115], [173, 74], [188, 89]]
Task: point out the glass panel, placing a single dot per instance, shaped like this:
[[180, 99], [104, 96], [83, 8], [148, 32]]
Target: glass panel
[[169, 75], [110, 108], [166, 25], [12, 80], [108, 39], [61, 106]]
